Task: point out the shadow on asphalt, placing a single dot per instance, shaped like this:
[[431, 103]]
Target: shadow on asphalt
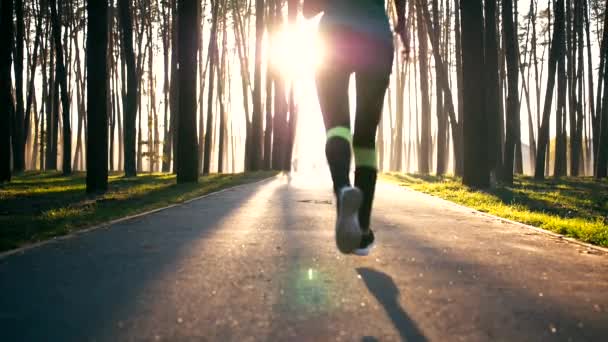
[[382, 286], [77, 289]]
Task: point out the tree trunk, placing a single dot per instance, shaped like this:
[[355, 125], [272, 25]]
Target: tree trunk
[[476, 170], [166, 47], [52, 108], [211, 70], [31, 91], [279, 131], [269, 128], [152, 115], [602, 155], [221, 77], [130, 100], [97, 115], [560, 165], [425, 144], [556, 53], [201, 94], [255, 159], [458, 158], [61, 79], [492, 105], [187, 167], [443, 79], [174, 87], [512, 120], [576, 144], [442, 126], [18, 136], [590, 85], [43, 99], [245, 82], [292, 13], [397, 141], [6, 99]]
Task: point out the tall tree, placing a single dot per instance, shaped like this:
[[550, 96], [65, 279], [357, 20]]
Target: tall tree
[[279, 130], [561, 138], [6, 99], [513, 121], [602, 154], [61, 79], [130, 100], [19, 132], [97, 112], [165, 27], [492, 105], [424, 163], [555, 54], [442, 120], [213, 58], [443, 80], [575, 96], [31, 93], [255, 159], [458, 160], [187, 149], [292, 13], [174, 86], [476, 170]]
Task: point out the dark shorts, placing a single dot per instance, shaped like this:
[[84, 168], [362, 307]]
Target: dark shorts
[[353, 50]]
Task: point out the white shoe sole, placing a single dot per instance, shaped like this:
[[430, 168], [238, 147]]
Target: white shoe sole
[[348, 230], [364, 251]]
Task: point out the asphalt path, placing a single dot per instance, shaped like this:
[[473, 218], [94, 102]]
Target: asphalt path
[[259, 263]]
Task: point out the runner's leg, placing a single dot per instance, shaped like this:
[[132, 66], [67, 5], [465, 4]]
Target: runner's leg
[[332, 89], [371, 88]]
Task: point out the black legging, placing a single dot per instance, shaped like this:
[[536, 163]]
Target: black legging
[[371, 61]]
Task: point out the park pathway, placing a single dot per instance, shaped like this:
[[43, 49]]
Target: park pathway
[[258, 263]]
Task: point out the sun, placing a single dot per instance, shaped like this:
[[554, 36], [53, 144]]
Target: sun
[[296, 51]]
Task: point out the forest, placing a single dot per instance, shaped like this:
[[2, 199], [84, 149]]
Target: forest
[[491, 89], [165, 170]]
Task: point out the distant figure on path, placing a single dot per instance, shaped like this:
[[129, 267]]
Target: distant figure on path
[[357, 39]]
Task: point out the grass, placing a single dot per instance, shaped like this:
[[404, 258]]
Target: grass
[[37, 206], [574, 207]]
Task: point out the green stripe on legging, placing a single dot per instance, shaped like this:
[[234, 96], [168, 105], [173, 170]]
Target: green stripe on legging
[[340, 132], [366, 157]]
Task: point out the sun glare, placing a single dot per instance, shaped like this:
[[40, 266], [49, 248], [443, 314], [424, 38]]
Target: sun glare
[[296, 52]]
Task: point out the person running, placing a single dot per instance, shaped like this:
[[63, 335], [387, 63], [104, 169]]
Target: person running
[[357, 39]]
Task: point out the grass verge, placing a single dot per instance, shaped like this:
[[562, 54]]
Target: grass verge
[[37, 206], [574, 207]]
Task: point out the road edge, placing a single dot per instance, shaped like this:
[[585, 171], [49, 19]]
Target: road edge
[[23, 249], [537, 229]]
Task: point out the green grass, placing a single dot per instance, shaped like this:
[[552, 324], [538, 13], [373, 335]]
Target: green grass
[[574, 207], [37, 206]]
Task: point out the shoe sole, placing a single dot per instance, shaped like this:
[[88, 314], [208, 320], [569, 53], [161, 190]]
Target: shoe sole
[[364, 251], [348, 231]]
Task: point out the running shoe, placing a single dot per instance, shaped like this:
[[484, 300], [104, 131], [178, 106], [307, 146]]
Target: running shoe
[[348, 230]]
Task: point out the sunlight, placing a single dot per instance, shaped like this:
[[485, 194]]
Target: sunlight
[[295, 52]]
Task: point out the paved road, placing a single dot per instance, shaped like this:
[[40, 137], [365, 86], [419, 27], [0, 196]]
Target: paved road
[[259, 263]]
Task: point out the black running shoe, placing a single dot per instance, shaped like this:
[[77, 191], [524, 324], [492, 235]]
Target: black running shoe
[[367, 243], [348, 230]]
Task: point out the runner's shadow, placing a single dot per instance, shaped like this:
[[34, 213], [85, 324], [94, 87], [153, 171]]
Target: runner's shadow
[[386, 292]]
